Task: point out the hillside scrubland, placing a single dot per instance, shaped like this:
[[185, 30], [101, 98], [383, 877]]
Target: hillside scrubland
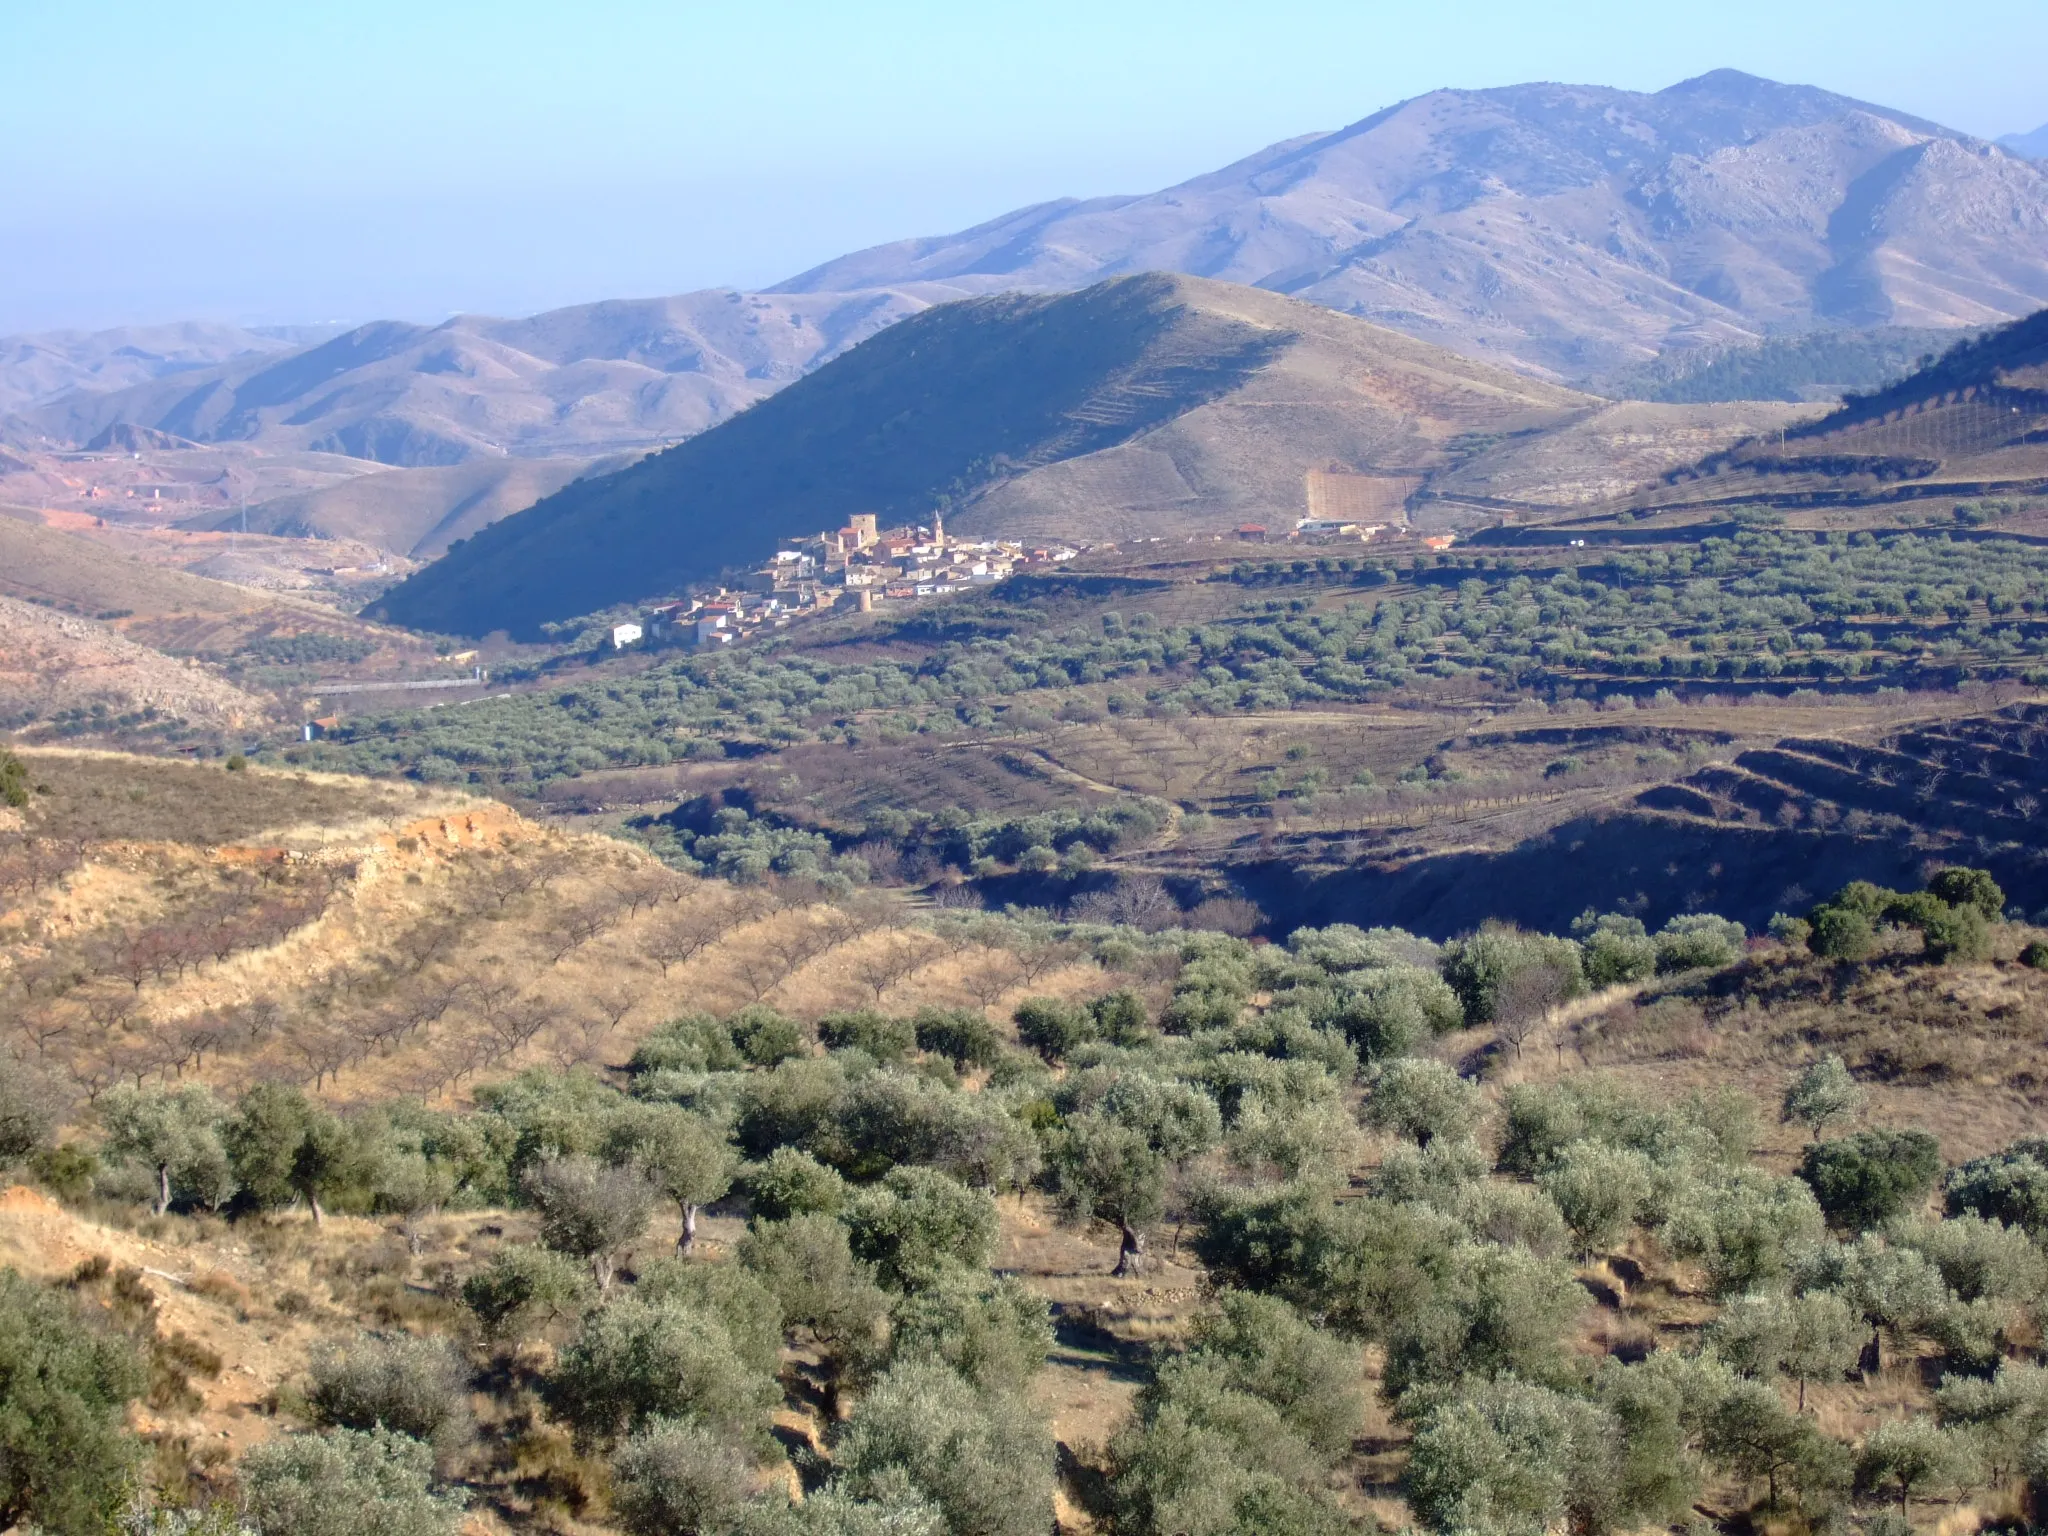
[[389, 1157]]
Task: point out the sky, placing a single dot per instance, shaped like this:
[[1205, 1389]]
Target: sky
[[299, 161]]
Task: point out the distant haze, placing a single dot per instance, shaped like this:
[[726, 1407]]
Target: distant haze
[[317, 162]]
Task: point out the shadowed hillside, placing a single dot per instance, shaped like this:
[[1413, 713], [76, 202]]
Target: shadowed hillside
[[1233, 394]]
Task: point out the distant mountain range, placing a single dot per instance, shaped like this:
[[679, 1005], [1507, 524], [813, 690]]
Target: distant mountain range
[[1567, 229], [1575, 233], [37, 369], [576, 382], [2033, 145]]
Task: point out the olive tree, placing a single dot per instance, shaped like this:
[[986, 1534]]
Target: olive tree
[[687, 1156], [1508, 1458], [1823, 1092], [1422, 1101], [635, 1361], [589, 1210], [985, 1460], [673, 1478], [1902, 1455], [344, 1482], [173, 1132], [392, 1381], [1108, 1171], [522, 1285], [917, 1222], [67, 1459]]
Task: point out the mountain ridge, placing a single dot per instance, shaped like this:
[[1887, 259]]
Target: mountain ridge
[[1023, 414], [1739, 207]]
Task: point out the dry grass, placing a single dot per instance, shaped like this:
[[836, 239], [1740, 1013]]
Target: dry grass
[[409, 943]]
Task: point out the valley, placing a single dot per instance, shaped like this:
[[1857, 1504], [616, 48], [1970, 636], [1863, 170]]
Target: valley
[[1354, 848]]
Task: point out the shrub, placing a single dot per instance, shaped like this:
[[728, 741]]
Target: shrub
[[1973, 888], [2035, 956], [675, 1479], [2009, 1186], [1841, 933], [790, 1182], [416, 1387], [637, 1360], [67, 1460], [918, 1222], [522, 1285], [1956, 933], [984, 1460], [1422, 1100], [345, 1482], [1862, 1181]]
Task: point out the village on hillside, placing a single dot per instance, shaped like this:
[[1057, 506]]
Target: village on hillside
[[863, 566]]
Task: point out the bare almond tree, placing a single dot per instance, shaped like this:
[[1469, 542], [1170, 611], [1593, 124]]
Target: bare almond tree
[[678, 937], [880, 966], [1524, 1000]]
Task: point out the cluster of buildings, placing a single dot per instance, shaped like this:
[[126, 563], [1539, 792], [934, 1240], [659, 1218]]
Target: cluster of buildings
[[861, 565], [865, 564]]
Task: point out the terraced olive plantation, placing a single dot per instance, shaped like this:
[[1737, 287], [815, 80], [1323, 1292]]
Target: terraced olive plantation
[[994, 1223]]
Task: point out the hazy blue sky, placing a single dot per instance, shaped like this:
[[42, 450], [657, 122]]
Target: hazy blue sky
[[301, 160]]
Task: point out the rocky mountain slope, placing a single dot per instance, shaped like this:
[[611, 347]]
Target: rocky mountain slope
[[1567, 229], [1151, 403]]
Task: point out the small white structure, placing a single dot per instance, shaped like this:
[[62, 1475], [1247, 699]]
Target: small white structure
[[624, 635]]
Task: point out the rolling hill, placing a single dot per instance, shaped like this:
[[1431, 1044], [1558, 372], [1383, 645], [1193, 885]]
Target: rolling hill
[[1151, 403], [1972, 421], [417, 513], [576, 382], [1568, 229], [38, 368]]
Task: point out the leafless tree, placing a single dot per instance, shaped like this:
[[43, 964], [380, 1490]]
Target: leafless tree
[[882, 965], [986, 983], [1524, 999], [676, 938], [760, 972]]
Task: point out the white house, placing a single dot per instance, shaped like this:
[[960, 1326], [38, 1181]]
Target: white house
[[624, 635]]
